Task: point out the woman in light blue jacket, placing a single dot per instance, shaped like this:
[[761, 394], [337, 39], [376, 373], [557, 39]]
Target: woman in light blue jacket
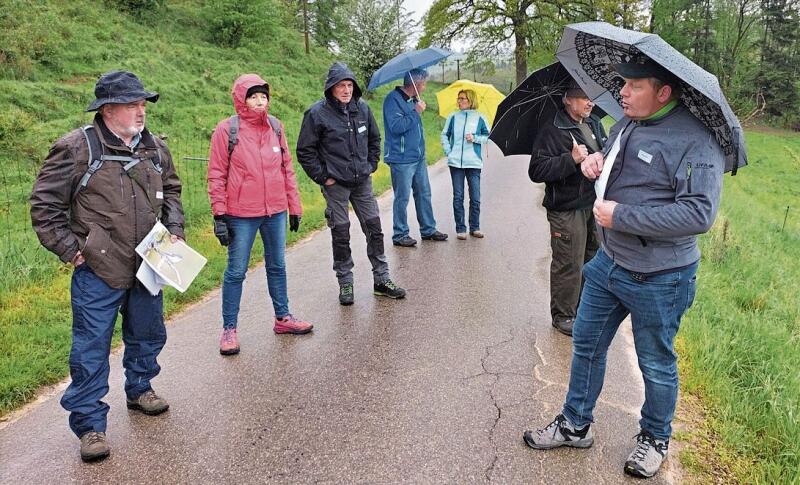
[[465, 132]]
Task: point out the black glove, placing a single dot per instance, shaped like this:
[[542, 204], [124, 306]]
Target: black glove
[[221, 230], [294, 223]]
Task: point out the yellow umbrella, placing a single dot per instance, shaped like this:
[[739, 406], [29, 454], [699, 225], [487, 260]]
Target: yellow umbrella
[[488, 98]]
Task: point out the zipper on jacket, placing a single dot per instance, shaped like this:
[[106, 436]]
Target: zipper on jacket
[[689, 176], [463, 137]]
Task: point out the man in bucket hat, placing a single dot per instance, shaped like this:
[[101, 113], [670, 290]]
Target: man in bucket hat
[[657, 188], [99, 192]]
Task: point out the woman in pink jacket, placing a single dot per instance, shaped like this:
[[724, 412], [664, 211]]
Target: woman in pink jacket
[[252, 186]]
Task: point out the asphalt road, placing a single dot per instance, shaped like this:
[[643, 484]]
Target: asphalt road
[[436, 388]]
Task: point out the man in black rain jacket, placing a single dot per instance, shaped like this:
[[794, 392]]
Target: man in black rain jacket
[[339, 147]]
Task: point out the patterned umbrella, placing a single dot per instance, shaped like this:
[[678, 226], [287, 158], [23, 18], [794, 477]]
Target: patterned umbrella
[[589, 49]]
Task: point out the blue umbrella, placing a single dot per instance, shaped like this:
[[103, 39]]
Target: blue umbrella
[[399, 65]]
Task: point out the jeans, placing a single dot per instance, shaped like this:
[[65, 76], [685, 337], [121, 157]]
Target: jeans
[[573, 240], [338, 199], [95, 306], [243, 233], [405, 178], [656, 305], [473, 176]]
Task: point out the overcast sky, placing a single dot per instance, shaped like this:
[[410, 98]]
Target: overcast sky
[[417, 7]]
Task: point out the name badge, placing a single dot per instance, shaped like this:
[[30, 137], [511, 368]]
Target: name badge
[[276, 149], [645, 157], [362, 129], [159, 194]]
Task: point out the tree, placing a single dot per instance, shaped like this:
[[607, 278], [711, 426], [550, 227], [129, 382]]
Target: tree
[[376, 31], [319, 20], [778, 69]]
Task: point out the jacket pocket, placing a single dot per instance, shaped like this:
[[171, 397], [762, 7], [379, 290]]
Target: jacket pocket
[[97, 247]]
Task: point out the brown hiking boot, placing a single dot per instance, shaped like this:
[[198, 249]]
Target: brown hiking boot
[[94, 446], [149, 403]]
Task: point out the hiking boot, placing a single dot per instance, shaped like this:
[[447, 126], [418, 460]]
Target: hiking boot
[[388, 288], [646, 459], [346, 294], [290, 324], [436, 236], [229, 342], [477, 234], [564, 326], [405, 241], [559, 433], [94, 446], [149, 403], [461, 235]]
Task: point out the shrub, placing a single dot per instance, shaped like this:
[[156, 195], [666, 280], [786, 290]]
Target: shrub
[[230, 23]]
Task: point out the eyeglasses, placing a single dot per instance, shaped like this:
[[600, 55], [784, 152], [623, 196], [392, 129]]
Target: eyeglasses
[[462, 99]]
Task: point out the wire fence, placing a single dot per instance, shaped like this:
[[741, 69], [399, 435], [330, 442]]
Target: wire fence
[[24, 261]]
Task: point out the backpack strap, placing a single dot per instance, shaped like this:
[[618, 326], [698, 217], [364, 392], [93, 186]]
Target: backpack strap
[[233, 134], [95, 149]]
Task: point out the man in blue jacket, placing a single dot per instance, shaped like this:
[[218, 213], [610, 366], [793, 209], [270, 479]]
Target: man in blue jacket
[[339, 147], [658, 187], [404, 151]]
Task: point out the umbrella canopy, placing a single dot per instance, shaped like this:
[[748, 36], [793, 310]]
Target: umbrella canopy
[[533, 103], [400, 64], [488, 98], [589, 49]]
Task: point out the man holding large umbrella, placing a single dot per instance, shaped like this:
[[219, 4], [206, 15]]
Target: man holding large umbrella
[[560, 145], [658, 187]]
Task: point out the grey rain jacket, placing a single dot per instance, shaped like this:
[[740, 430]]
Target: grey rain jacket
[[667, 179], [339, 141]]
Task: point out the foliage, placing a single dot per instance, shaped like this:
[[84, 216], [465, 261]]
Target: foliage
[[777, 76], [230, 22], [377, 30]]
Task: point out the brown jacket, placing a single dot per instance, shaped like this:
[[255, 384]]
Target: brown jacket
[[111, 215]]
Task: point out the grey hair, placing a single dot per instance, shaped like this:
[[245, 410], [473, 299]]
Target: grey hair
[[414, 76]]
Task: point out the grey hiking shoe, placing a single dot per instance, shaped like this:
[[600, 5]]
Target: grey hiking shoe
[[388, 288], [646, 459], [149, 403], [346, 294], [94, 446], [559, 433]]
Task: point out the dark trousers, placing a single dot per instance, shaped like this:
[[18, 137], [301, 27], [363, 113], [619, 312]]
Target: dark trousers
[[573, 239], [95, 306], [338, 198]]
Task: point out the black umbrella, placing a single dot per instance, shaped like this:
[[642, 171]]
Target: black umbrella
[[531, 104], [589, 49]]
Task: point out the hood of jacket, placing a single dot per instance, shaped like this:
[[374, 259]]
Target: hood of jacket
[[338, 73], [239, 93]]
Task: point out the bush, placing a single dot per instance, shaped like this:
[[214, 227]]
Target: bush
[[231, 23]]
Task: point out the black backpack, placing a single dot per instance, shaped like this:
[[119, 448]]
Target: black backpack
[[233, 134]]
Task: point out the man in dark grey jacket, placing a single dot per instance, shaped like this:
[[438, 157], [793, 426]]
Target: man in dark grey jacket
[[658, 187], [339, 147], [558, 150]]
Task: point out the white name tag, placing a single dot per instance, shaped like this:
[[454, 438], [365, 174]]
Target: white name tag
[[276, 149], [159, 194], [645, 157], [362, 129]]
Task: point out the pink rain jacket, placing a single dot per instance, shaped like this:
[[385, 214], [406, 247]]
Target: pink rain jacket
[[259, 179]]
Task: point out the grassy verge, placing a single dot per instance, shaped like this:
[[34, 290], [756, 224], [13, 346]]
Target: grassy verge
[[741, 340]]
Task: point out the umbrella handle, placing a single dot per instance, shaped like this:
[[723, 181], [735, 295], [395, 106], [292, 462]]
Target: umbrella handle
[[415, 89]]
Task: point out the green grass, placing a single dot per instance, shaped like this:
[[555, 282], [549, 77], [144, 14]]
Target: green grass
[[742, 336], [43, 97]]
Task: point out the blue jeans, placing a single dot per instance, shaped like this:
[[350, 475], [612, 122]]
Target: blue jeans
[[243, 231], [405, 178], [473, 176], [656, 305], [95, 306]]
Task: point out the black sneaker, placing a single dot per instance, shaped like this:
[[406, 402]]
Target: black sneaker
[[346, 294], [405, 241], [388, 288], [564, 326], [436, 236]]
